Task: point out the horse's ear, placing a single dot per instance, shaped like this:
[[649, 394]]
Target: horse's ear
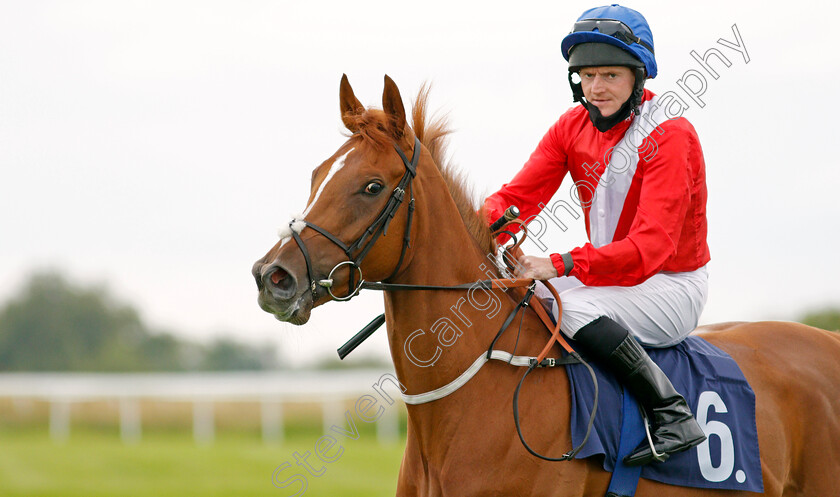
[[393, 106], [350, 105]]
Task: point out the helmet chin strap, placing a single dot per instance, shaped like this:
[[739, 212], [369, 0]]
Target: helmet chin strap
[[628, 107]]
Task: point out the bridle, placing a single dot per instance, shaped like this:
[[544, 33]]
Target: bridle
[[365, 242]]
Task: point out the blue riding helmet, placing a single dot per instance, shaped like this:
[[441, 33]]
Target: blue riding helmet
[[618, 26]]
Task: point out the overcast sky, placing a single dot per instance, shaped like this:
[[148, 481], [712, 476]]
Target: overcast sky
[[156, 147]]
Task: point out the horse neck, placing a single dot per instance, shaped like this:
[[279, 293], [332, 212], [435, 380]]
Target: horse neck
[[447, 327], [453, 326]]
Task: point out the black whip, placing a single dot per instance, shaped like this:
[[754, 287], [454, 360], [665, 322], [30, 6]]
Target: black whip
[[361, 336]]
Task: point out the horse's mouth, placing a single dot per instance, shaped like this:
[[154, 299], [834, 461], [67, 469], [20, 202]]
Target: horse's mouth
[[296, 312]]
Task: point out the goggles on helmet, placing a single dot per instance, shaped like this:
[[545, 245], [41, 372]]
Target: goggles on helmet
[[610, 27]]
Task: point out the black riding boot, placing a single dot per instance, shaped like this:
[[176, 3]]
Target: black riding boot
[[674, 428]]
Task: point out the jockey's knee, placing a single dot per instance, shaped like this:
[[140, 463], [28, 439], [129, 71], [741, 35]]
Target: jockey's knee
[[576, 315]]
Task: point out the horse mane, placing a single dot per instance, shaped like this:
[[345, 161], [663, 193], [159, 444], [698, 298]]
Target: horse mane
[[433, 132]]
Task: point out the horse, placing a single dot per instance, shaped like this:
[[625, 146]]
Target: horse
[[466, 444]]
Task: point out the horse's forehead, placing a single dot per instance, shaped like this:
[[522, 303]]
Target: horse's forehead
[[348, 162], [355, 157]]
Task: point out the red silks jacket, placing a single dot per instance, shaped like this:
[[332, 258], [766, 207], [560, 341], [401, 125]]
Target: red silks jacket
[[661, 223]]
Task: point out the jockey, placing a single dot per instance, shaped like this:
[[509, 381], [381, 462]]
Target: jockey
[[640, 181]]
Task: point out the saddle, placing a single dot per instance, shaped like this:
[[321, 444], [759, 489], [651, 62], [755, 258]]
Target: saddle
[[606, 420]]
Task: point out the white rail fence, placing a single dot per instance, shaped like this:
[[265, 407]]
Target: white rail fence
[[272, 390]]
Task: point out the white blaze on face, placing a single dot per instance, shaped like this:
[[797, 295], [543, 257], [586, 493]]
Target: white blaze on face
[[336, 166], [296, 223]]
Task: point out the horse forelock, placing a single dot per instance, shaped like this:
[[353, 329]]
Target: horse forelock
[[433, 132], [371, 126]]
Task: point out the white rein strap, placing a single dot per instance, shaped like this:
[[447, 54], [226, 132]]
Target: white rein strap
[[500, 355]]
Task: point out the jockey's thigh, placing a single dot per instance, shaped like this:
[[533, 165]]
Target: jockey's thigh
[[659, 312]]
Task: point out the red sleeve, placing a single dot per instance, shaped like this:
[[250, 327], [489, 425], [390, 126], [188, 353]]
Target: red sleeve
[[656, 225], [557, 262], [536, 182]]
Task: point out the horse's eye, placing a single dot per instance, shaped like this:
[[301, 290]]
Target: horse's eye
[[373, 188]]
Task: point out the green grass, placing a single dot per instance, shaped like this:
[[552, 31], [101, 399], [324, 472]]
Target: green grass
[[96, 463]]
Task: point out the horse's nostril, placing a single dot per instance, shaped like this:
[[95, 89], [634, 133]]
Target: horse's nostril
[[278, 276], [280, 282]]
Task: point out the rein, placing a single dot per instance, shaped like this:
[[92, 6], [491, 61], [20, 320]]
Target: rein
[[540, 361], [364, 244]]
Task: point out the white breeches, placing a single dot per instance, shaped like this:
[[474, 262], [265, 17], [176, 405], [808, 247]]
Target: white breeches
[[659, 312]]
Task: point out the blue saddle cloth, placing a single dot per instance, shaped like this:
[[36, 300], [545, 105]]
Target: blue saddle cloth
[[718, 394]]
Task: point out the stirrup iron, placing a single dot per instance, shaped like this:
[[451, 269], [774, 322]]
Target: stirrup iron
[[656, 455]]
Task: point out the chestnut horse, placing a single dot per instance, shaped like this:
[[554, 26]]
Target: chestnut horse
[[466, 444]]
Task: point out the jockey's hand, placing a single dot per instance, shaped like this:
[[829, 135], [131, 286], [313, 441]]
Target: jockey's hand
[[538, 268]]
